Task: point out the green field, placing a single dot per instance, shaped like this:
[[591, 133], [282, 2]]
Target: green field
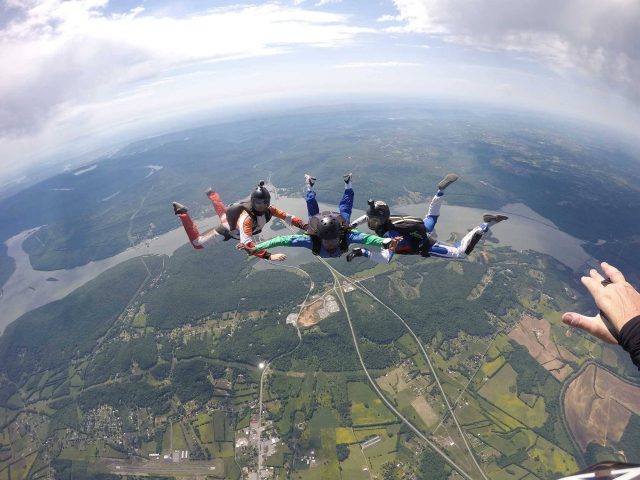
[[501, 391], [366, 407]]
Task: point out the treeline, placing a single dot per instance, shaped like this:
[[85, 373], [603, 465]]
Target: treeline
[[50, 336], [118, 357], [630, 441], [373, 321], [215, 280], [139, 394], [332, 349], [531, 376], [442, 305], [255, 341], [190, 379]]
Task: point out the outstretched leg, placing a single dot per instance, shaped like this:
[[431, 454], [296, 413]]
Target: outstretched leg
[[346, 202], [218, 206], [436, 202], [197, 240], [465, 246], [312, 203]]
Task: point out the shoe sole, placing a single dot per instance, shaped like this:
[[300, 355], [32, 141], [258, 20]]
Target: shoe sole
[[180, 208], [447, 180], [489, 217]]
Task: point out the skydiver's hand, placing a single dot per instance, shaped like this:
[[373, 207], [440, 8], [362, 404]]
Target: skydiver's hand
[[278, 257], [246, 248], [394, 242], [619, 301]]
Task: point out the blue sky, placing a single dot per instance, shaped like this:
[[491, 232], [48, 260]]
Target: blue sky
[[84, 74]]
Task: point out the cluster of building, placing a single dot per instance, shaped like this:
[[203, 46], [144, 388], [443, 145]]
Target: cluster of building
[[175, 456]]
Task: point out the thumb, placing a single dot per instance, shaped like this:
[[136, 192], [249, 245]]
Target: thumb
[[593, 325]]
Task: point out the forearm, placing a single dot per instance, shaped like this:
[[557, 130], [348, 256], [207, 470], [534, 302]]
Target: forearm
[[380, 256], [358, 221], [630, 339], [367, 239], [288, 218], [281, 241]]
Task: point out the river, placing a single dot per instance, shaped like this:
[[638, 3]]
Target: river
[[27, 288]]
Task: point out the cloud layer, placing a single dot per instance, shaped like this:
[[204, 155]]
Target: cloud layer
[[58, 53], [598, 38]]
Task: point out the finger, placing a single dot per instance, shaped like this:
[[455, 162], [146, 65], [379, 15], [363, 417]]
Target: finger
[[593, 325], [594, 286], [613, 273], [596, 275]]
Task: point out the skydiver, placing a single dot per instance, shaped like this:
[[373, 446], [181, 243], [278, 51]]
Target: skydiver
[[240, 221], [329, 233], [619, 317], [416, 232]]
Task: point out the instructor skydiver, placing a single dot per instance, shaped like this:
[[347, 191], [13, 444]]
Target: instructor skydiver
[[240, 221], [329, 234], [416, 232]]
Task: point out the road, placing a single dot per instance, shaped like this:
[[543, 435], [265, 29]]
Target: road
[[433, 446]]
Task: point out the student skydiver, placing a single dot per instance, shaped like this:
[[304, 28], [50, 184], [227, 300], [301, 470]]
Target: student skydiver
[[329, 234], [240, 221], [416, 232]]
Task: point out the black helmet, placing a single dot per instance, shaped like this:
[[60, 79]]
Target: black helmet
[[378, 213], [260, 198], [329, 227]]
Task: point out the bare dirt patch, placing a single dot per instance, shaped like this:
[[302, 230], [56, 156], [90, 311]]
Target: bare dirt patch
[[480, 287], [309, 315], [425, 412], [598, 406], [535, 336]]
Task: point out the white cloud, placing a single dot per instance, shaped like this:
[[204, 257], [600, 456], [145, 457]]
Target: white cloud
[[377, 65], [57, 55], [388, 18], [320, 3], [597, 38]]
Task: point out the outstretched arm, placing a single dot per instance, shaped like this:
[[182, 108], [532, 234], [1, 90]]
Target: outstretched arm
[[356, 236], [281, 241], [618, 302], [359, 221], [288, 218]]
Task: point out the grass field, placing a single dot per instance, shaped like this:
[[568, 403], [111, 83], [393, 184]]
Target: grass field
[[511, 472], [366, 407], [345, 435], [547, 457], [356, 466], [206, 431], [179, 441], [140, 320], [501, 391], [490, 368], [323, 419], [384, 451]]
